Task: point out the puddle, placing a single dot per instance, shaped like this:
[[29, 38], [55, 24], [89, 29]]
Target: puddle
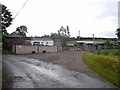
[[18, 79]]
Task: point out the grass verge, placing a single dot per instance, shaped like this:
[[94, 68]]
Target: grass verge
[[7, 52], [106, 66]]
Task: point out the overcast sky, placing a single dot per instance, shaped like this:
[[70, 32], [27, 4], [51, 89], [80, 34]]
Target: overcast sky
[[99, 17]]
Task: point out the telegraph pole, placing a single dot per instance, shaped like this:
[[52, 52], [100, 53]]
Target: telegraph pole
[[79, 34], [93, 39]]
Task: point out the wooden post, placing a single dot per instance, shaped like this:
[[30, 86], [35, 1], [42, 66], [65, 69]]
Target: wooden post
[[113, 46], [93, 40], [105, 46]]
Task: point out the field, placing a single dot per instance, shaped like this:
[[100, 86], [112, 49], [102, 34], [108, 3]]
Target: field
[[96, 40], [70, 42], [104, 65]]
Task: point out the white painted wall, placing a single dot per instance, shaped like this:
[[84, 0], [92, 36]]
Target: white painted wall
[[43, 42]]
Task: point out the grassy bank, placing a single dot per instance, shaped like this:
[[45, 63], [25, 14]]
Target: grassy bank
[[105, 66], [0, 45]]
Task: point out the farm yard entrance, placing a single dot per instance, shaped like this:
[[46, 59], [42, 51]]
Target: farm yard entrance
[[50, 70]]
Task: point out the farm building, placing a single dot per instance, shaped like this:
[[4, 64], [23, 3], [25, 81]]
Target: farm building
[[42, 41], [91, 44], [12, 39]]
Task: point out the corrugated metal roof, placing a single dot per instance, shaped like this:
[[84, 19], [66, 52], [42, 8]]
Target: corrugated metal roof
[[40, 38], [14, 34], [70, 44], [89, 42]]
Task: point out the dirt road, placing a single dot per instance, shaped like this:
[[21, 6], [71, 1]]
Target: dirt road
[[72, 60], [23, 72]]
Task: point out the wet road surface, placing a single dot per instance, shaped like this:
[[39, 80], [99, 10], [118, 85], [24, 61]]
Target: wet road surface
[[32, 73]]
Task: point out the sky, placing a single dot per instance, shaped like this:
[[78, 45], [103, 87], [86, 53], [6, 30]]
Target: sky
[[43, 17]]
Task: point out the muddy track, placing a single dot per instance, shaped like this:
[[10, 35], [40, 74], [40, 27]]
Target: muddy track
[[28, 72]]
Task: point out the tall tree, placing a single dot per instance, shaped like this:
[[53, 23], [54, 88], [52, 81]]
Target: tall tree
[[6, 18], [64, 32], [64, 35], [118, 33], [68, 31], [22, 30]]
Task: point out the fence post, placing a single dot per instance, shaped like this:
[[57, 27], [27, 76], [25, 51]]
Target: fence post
[[105, 46], [37, 48]]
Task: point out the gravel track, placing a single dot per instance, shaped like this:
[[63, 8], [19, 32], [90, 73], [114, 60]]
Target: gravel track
[[50, 70]]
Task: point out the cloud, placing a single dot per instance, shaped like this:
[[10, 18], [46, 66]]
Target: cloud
[[105, 9], [119, 14], [110, 11], [108, 34], [46, 16]]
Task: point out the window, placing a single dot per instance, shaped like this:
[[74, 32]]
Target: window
[[41, 42], [36, 43]]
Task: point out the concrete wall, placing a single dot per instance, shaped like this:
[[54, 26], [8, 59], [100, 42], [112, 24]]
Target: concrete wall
[[72, 48], [48, 48], [59, 48], [26, 49]]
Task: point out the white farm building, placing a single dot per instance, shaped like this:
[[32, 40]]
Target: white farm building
[[42, 41]]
